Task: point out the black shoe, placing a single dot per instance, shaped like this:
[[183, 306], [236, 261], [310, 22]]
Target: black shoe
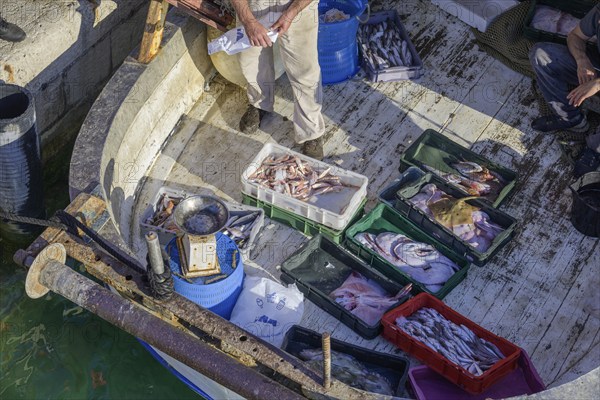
[[588, 162], [250, 121], [11, 32], [552, 123], [314, 148]]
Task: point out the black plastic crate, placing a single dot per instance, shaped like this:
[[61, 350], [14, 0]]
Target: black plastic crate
[[398, 194], [321, 266], [437, 151], [393, 368], [577, 8]]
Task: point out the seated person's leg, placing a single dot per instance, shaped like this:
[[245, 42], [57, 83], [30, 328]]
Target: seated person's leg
[[556, 70]]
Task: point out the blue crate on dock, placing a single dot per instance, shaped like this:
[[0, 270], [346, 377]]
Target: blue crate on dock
[[338, 49]]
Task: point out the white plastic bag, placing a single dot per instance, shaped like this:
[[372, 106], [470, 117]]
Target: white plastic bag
[[267, 309], [236, 40]]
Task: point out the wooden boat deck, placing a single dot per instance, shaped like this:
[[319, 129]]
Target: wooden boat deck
[[537, 292]]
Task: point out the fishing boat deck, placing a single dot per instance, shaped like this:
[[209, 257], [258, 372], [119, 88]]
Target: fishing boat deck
[[537, 292]]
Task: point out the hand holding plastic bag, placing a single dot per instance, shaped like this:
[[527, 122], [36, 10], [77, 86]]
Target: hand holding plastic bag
[[236, 40]]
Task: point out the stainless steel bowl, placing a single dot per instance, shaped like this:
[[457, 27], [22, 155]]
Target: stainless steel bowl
[[201, 215]]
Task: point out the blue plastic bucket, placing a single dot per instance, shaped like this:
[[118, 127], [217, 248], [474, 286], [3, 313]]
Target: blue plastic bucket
[[219, 297], [338, 48]]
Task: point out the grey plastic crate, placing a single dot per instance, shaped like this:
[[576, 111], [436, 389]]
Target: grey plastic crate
[[415, 71], [165, 235]]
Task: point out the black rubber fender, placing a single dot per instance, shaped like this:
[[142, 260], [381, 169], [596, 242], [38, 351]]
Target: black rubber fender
[[21, 181]]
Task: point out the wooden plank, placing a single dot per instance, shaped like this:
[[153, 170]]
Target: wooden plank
[[153, 31], [206, 11]]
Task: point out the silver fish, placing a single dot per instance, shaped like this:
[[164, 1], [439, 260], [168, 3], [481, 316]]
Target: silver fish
[[457, 343], [349, 370]]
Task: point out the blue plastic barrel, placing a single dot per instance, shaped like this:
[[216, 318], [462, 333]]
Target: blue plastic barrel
[[338, 49], [219, 297]]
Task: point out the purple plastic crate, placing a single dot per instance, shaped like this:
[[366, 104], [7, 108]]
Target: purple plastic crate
[[429, 385]]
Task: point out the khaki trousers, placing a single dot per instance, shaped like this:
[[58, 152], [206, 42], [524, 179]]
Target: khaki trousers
[[299, 54]]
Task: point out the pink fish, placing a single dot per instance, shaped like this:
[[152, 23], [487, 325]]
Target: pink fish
[[365, 298]]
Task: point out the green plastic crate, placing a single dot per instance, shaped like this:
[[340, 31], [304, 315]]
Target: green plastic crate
[[437, 151], [577, 8], [304, 225], [402, 205], [385, 219]]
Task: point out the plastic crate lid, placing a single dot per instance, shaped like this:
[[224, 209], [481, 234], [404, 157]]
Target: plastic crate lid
[[437, 151], [429, 385]]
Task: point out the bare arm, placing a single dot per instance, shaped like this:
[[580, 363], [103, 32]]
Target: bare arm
[[577, 46], [257, 34], [286, 19]]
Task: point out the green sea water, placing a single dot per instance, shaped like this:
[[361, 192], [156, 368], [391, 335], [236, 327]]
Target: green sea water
[[52, 349]]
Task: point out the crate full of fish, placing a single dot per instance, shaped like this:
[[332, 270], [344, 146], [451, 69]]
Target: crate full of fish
[[343, 285], [304, 225], [243, 226], [312, 189], [404, 252], [358, 367], [386, 49], [457, 348], [473, 174], [467, 224], [158, 216], [552, 20]]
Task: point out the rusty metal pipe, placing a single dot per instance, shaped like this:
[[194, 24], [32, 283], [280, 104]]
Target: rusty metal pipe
[[126, 315]]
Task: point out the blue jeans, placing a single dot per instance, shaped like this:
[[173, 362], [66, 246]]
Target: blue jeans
[[556, 72]]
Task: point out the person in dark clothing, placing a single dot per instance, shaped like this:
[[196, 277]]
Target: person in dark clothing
[[557, 69], [10, 32]]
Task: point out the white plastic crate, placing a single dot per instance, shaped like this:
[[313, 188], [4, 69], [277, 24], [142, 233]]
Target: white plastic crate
[[165, 235], [477, 13], [333, 210]]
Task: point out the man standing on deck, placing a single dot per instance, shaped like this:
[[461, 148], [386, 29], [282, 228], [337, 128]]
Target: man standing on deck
[[557, 68], [298, 28]]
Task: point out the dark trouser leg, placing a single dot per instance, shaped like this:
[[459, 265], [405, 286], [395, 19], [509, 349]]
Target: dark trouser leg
[[556, 72]]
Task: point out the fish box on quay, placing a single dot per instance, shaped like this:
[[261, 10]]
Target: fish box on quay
[[435, 233]]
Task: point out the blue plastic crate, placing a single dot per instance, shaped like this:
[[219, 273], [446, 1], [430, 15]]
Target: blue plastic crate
[[338, 49]]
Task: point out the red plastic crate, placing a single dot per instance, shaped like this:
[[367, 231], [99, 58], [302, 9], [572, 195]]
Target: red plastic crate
[[434, 360]]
